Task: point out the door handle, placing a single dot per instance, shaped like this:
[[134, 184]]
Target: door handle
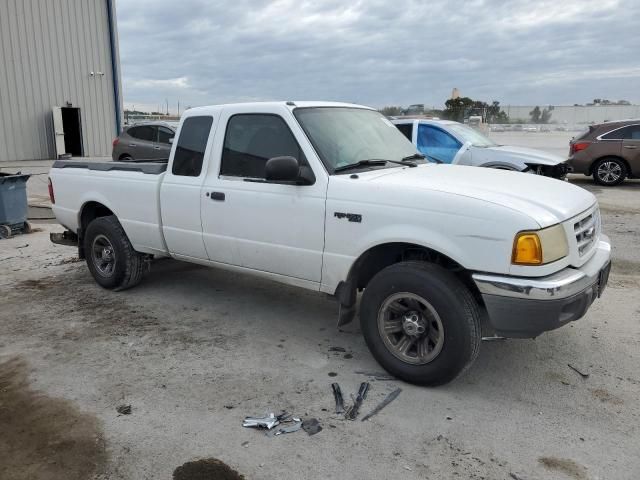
[[132, 145], [630, 147], [156, 148], [219, 196]]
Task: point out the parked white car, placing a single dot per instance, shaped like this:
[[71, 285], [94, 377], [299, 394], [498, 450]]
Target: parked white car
[[445, 141], [332, 197]]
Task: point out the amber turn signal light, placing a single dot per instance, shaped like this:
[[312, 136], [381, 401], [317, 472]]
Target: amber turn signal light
[[527, 249]]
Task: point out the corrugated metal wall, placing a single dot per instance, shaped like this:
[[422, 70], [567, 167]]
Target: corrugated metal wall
[[47, 50]]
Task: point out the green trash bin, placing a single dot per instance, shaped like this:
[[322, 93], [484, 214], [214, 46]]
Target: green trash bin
[[13, 204]]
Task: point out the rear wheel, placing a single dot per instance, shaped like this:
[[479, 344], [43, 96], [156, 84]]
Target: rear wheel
[[609, 172], [420, 322], [110, 256], [126, 158]]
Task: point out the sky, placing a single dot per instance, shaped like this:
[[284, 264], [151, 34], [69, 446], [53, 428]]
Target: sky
[[378, 52]]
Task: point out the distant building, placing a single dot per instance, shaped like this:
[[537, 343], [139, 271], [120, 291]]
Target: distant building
[[60, 87], [455, 93]]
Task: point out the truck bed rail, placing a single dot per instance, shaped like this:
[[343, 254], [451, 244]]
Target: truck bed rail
[[149, 168]]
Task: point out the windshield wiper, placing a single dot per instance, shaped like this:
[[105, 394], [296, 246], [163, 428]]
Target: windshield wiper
[[414, 156], [372, 161]]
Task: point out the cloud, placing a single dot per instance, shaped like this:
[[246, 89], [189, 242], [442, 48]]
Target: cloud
[[378, 52]]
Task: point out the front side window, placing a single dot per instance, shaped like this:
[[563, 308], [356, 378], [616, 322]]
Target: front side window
[[345, 135], [437, 144], [165, 134], [192, 143], [251, 140], [471, 135], [143, 132]]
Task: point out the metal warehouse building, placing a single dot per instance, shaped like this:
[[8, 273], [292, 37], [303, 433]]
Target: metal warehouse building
[[60, 87]]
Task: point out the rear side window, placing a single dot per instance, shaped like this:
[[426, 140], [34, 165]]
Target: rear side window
[[251, 140], [143, 132], [406, 129], [632, 132], [189, 154]]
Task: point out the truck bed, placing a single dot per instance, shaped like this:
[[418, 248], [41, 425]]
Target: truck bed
[[130, 190]]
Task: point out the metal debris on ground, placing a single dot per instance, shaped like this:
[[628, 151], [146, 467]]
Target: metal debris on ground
[[269, 421], [380, 376], [353, 411], [578, 371], [294, 427], [337, 394], [124, 409], [387, 400], [337, 349], [311, 426]]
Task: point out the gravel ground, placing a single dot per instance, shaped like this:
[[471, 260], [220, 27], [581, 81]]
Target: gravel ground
[[193, 350]]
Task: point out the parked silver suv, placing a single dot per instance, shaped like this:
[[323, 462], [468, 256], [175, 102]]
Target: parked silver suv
[[144, 141]]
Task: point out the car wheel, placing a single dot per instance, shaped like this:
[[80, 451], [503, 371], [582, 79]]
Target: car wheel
[[110, 256], [420, 323], [609, 172], [126, 158]]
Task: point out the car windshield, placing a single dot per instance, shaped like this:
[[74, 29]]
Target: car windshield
[[344, 136], [468, 134]]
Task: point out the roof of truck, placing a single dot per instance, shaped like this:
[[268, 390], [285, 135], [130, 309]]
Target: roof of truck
[[291, 104]]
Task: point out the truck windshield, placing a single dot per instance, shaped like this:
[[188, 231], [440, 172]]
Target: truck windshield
[[468, 134], [344, 136]]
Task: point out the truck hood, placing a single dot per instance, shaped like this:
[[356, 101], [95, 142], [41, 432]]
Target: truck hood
[[546, 200], [521, 154]]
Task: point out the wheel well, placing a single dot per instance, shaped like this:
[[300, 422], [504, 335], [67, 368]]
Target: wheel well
[[124, 155], [379, 257], [90, 211], [626, 164]]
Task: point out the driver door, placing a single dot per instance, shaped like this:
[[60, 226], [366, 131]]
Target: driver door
[[246, 221]]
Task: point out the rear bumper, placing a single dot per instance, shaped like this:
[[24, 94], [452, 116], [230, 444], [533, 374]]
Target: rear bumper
[[523, 307]]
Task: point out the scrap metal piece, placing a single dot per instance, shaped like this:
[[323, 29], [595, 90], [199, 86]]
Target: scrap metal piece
[[311, 426], [267, 422], [337, 394], [387, 400], [288, 429], [575, 369], [352, 412]]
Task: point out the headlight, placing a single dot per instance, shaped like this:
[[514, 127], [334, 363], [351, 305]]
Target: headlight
[[540, 246]]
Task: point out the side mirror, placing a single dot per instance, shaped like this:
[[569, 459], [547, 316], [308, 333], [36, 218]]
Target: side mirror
[[282, 169], [170, 140]]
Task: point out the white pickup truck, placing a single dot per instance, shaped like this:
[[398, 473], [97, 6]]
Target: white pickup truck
[[332, 197]]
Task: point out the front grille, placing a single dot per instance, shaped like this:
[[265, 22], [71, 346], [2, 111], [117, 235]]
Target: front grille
[[586, 231]]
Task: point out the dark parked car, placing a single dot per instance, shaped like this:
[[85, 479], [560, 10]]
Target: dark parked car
[[144, 141], [608, 151]]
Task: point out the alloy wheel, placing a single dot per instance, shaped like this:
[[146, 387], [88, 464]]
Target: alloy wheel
[[410, 328]]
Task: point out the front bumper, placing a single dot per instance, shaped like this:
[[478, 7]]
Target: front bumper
[[523, 307]]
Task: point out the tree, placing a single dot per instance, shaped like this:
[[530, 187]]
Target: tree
[[535, 115], [391, 111], [457, 108], [546, 114]]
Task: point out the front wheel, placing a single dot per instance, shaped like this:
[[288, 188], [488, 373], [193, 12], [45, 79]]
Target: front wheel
[[420, 323], [110, 256], [609, 172]]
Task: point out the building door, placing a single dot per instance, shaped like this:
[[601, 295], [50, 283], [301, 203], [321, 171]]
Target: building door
[[67, 127], [58, 132], [72, 131]]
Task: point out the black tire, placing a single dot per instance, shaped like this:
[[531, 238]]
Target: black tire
[[456, 309], [609, 171], [126, 158], [105, 239]]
